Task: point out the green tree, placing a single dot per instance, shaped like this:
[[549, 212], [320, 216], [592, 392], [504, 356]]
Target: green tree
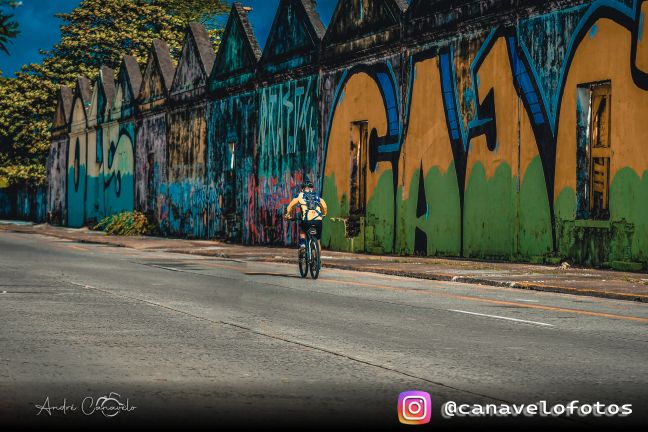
[[8, 27], [96, 33]]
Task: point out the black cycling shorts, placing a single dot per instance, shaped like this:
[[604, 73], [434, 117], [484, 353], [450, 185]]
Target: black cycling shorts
[[304, 225]]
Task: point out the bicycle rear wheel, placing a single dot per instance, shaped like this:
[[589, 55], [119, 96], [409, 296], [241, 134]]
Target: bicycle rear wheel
[[315, 262]]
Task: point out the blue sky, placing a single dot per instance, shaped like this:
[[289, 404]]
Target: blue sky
[[39, 28]]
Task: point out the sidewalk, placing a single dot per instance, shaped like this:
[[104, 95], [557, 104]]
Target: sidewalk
[[578, 281]]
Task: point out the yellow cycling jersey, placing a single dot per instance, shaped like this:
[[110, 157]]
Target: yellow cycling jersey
[[308, 215]]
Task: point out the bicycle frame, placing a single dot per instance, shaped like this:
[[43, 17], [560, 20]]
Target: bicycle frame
[[308, 262]]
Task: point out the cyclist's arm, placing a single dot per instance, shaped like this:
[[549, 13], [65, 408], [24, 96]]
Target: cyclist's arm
[[292, 205], [323, 206]]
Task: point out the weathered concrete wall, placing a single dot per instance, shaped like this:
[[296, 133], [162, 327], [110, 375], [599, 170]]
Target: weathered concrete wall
[[491, 129], [7, 204], [508, 95], [56, 169], [56, 176], [151, 158], [77, 154], [366, 94], [24, 203], [361, 109], [288, 129], [189, 192], [190, 210], [119, 141], [31, 203], [232, 126], [287, 143], [99, 113]]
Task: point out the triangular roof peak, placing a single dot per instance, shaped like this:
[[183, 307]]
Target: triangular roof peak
[[128, 85], [83, 89], [294, 38], [103, 94], [82, 93], [356, 22], [63, 111], [239, 51], [133, 75], [107, 80], [158, 75], [200, 36], [160, 51], [196, 60]]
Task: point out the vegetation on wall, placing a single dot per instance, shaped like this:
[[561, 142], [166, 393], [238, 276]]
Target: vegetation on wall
[[96, 33], [127, 224]]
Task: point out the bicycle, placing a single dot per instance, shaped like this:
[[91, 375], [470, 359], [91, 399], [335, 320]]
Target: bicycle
[[311, 261]]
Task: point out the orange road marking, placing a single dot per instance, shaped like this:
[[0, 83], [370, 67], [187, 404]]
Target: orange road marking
[[76, 247], [228, 267]]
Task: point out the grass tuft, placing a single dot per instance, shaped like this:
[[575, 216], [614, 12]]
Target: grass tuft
[[126, 224]]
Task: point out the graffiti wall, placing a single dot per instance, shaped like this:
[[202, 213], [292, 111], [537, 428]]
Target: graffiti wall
[[286, 153], [30, 204], [24, 203], [56, 176], [187, 192], [151, 170], [288, 119], [606, 76], [361, 107], [232, 137], [485, 131], [94, 197], [56, 169], [56, 173], [508, 143], [118, 141], [151, 160], [77, 154], [360, 159]]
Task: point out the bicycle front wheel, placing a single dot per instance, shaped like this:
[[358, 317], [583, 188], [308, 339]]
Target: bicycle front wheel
[[315, 261], [303, 263]]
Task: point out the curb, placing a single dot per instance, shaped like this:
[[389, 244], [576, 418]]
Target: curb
[[392, 272], [487, 282]]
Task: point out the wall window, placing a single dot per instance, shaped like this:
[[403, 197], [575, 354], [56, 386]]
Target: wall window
[[358, 168], [99, 148], [77, 164], [231, 160], [229, 188], [594, 106]]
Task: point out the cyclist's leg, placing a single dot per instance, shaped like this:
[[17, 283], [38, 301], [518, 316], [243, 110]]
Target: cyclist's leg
[[302, 236], [318, 227]]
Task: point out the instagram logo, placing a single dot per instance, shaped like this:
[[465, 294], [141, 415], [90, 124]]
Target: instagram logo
[[414, 407]]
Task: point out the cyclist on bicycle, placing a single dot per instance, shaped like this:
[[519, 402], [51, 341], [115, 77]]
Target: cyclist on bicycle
[[313, 209]]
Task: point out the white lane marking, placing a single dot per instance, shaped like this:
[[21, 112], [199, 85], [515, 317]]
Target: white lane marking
[[501, 317], [167, 268], [528, 301]]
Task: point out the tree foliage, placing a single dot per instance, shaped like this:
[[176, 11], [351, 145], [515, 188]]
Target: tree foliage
[[98, 32], [8, 27]]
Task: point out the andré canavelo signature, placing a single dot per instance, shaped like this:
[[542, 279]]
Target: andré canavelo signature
[[109, 406]]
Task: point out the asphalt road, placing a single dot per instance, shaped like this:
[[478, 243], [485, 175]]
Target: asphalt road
[[193, 341]]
